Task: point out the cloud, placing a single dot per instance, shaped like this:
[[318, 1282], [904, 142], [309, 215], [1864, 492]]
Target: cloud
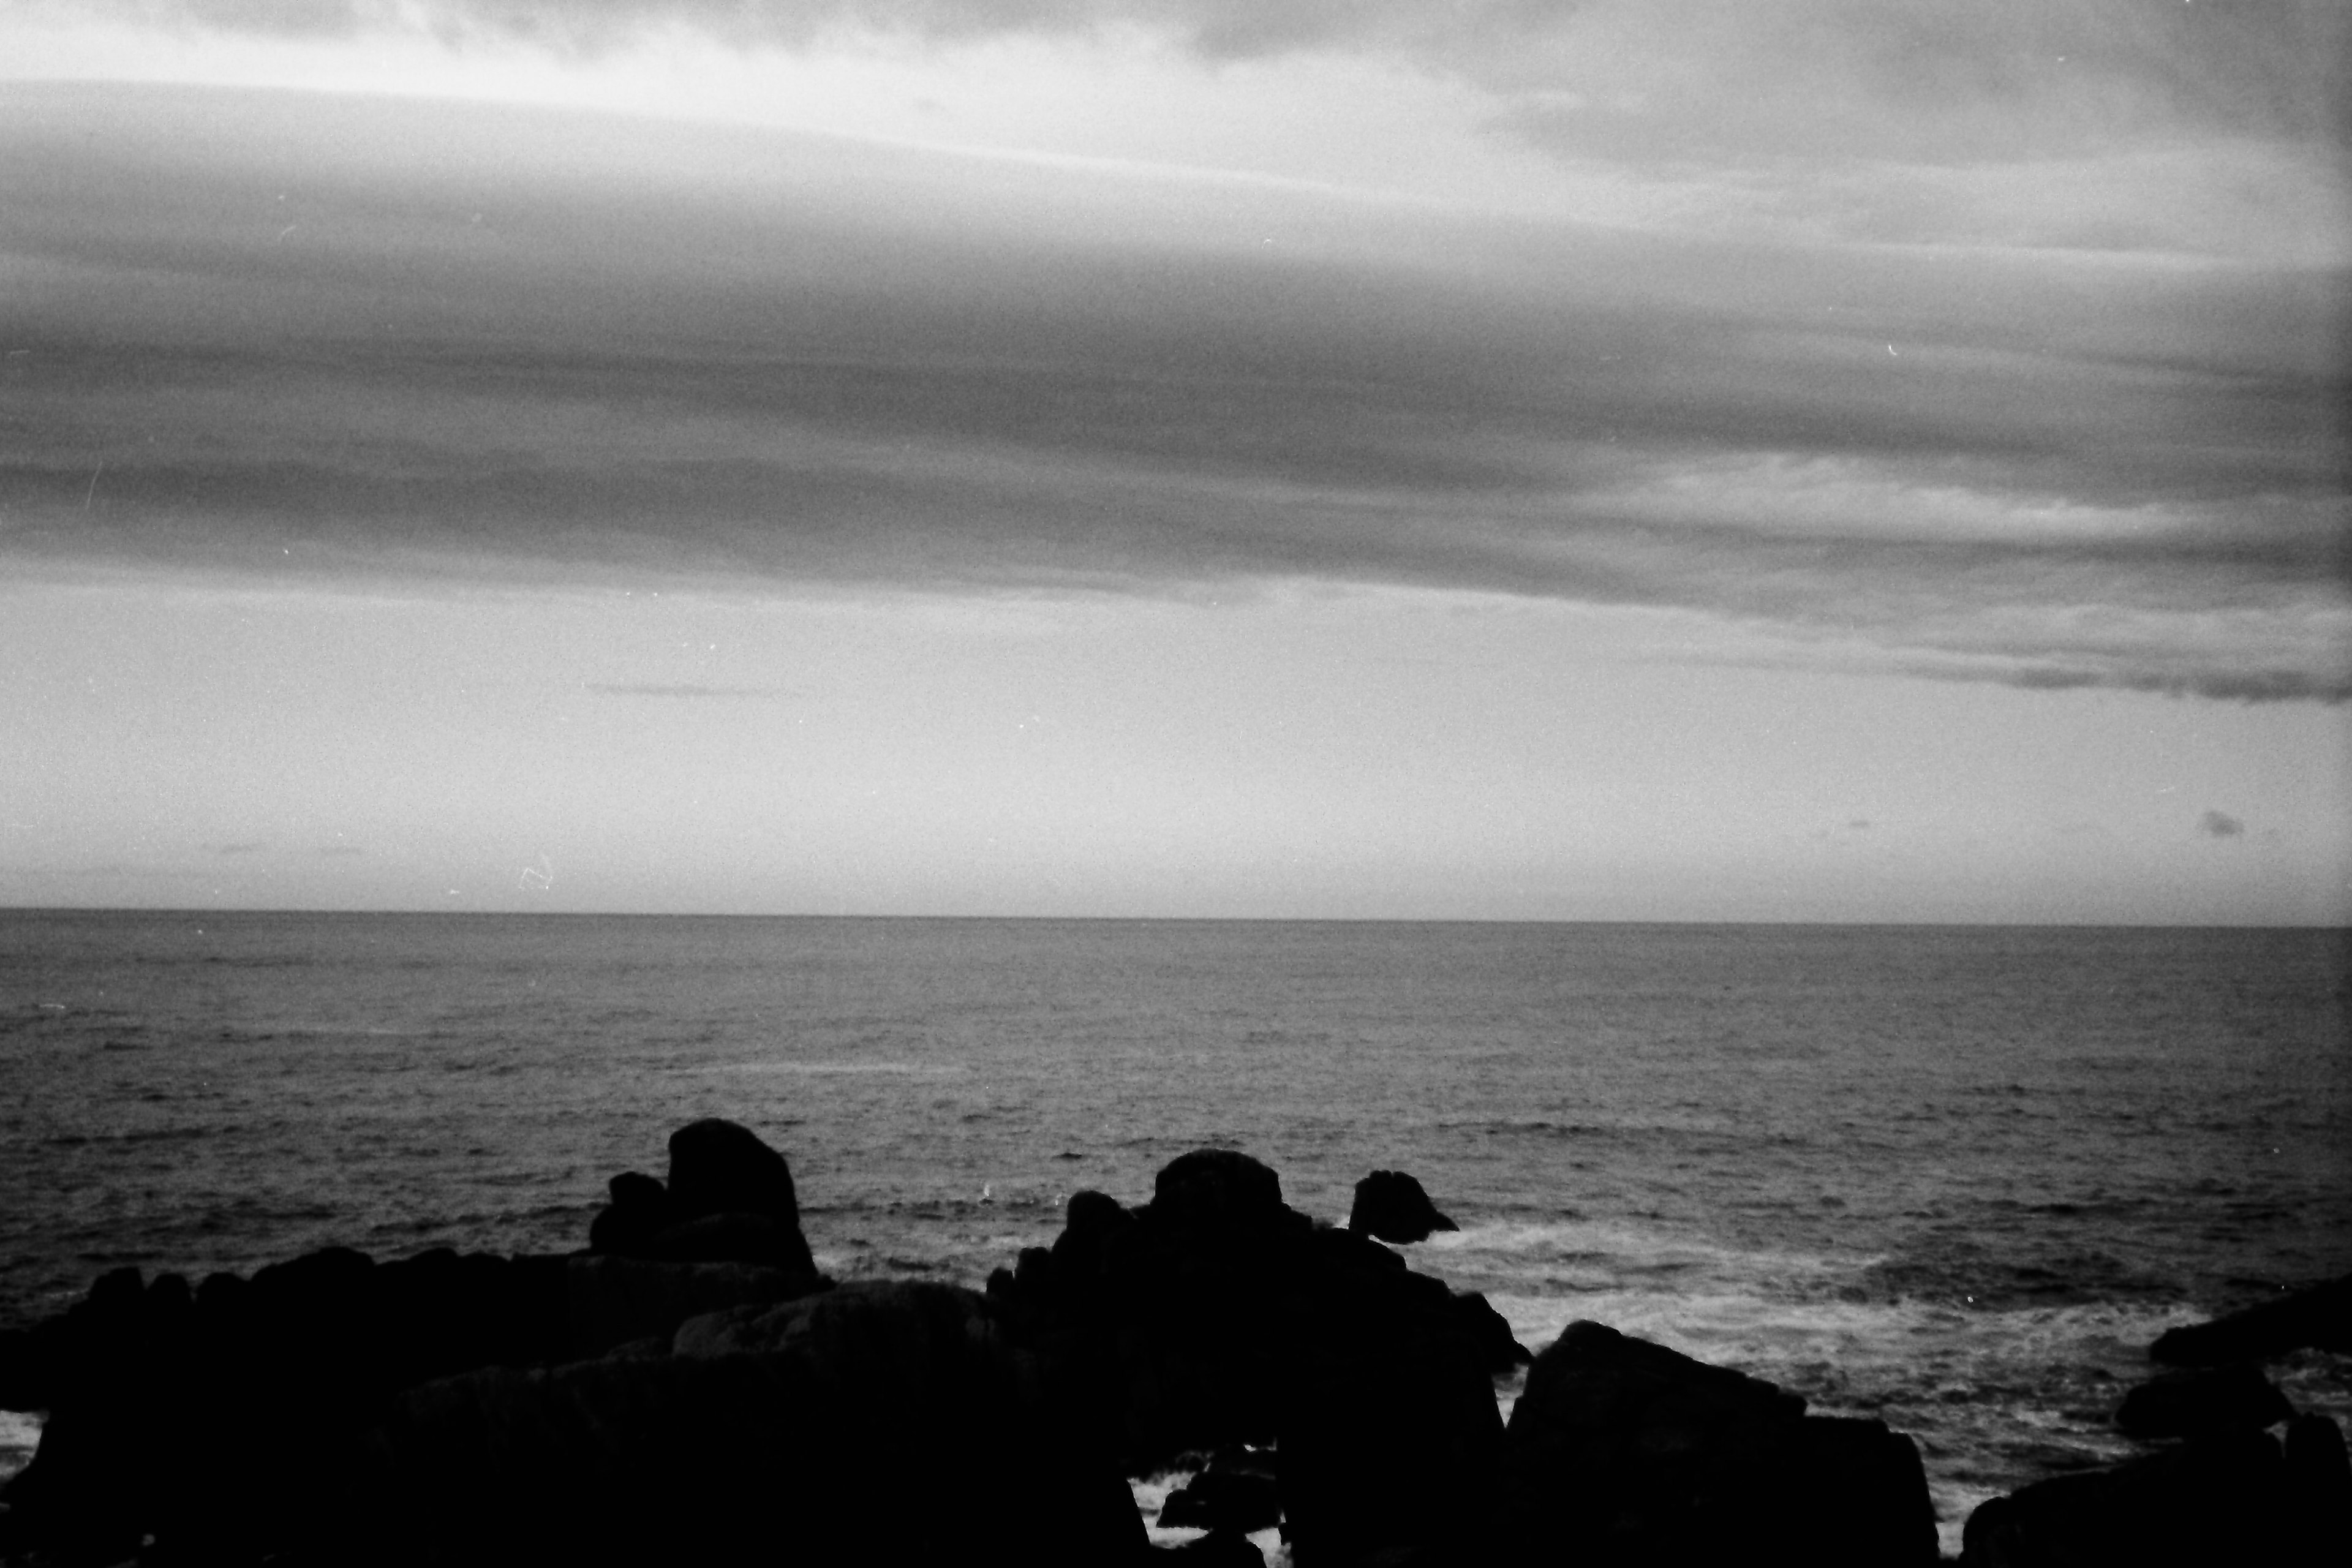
[[1647, 77], [2221, 825], [484, 342], [687, 690]]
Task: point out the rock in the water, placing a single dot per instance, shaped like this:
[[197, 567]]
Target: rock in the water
[[729, 1199], [721, 1167], [2320, 1318], [1622, 1451], [1394, 1206], [2210, 1501], [2201, 1401]]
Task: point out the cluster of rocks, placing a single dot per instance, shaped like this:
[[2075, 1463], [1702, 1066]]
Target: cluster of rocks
[[690, 1389], [2215, 1486]]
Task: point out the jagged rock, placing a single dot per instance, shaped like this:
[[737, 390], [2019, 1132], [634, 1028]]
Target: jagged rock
[[2320, 1318], [729, 1199], [2317, 1479], [1230, 1494], [2210, 1500], [2203, 1400], [1622, 1451], [1217, 1315], [1498, 1348], [885, 1422], [640, 1211], [610, 1301], [1213, 1186], [1393, 1206]]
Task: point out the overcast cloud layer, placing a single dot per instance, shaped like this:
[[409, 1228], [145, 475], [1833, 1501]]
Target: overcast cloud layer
[[1980, 367]]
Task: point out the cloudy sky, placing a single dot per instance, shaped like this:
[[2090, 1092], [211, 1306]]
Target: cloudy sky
[[1685, 459]]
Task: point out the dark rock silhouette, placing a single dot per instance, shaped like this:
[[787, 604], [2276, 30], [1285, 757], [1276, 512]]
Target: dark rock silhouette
[[1233, 1492], [1622, 1451], [1217, 1315], [1392, 1207], [2318, 1481], [729, 1199], [2201, 1401], [2319, 1318], [888, 1422], [613, 1301], [216, 1419], [2214, 1500]]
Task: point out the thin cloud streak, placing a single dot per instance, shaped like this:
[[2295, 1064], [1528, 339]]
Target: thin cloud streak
[[809, 360], [686, 691]]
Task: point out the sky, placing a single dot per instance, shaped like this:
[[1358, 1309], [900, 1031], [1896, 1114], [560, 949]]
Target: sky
[[1871, 460]]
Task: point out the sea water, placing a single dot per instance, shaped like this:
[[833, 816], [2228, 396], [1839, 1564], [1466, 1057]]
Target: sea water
[[1954, 1177]]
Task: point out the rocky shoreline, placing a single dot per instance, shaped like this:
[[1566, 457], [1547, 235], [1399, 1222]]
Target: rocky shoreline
[[690, 1388]]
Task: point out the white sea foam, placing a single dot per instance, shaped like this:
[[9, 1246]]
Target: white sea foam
[[20, 1434], [838, 1069]]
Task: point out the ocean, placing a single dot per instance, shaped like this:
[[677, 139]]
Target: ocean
[[1954, 1177]]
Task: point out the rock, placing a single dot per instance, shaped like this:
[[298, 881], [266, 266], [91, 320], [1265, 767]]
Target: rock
[[2318, 1478], [1622, 1451], [2319, 1318], [729, 1200], [1213, 1186], [1392, 1207], [1228, 1495], [2203, 1400], [610, 1300], [721, 1167], [639, 1211], [1498, 1348], [883, 1422], [1216, 1316], [2210, 1500]]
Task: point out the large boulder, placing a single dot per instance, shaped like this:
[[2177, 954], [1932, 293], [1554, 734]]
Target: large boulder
[[2201, 1401], [1622, 1452], [1217, 1315], [2317, 1476], [1394, 1206], [889, 1422], [2210, 1501], [2319, 1318], [729, 1199]]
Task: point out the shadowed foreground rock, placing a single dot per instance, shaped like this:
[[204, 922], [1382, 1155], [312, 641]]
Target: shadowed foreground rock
[[2213, 1500], [1624, 1452], [884, 1422], [1216, 1315], [218, 1420]]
